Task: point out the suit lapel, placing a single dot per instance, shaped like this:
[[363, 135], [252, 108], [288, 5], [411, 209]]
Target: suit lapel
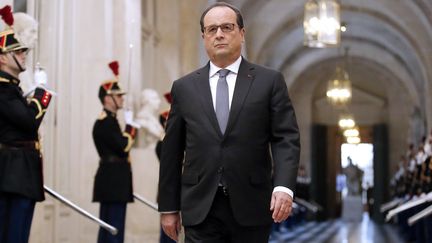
[[244, 81], [203, 87]]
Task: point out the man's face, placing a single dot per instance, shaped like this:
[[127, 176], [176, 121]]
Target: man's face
[[222, 37], [119, 100], [113, 102], [21, 56], [8, 63]]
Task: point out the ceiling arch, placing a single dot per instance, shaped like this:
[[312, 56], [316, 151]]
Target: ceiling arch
[[390, 59], [392, 35]]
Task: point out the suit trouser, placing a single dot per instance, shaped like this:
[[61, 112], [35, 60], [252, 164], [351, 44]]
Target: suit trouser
[[16, 215], [115, 215], [220, 226]]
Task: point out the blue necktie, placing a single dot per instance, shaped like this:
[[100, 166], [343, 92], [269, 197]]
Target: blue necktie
[[222, 100]]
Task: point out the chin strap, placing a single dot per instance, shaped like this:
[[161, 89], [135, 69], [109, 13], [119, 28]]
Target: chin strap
[[115, 103], [17, 63]]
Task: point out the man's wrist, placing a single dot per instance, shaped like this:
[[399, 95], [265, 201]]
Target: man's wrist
[[284, 189]]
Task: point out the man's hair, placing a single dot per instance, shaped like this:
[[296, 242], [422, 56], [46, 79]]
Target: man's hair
[[223, 4]]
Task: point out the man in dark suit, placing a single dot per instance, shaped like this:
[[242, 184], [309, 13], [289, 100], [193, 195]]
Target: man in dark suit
[[230, 154]]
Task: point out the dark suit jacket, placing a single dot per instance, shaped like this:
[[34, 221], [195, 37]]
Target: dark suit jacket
[[259, 150]]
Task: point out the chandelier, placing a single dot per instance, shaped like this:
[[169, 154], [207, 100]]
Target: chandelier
[[339, 88], [346, 121], [353, 140], [321, 23], [350, 131], [352, 135]]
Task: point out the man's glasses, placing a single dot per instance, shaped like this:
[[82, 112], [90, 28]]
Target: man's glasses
[[212, 29]]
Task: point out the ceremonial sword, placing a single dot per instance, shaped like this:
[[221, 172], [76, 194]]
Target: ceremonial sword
[[81, 211]]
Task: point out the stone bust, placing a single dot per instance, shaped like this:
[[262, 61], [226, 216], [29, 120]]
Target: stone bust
[[147, 116]]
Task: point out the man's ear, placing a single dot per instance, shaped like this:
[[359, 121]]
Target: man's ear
[[243, 31], [3, 59], [105, 100]]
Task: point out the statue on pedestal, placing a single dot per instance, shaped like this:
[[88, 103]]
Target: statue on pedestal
[[354, 177]]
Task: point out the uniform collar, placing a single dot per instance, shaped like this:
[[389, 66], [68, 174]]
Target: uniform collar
[[110, 113], [7, 78]]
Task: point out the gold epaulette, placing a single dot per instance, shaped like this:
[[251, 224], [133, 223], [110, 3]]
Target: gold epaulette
[[102, 116], [5, 80]]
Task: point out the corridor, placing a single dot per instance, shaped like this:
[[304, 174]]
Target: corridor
[[339, 231]]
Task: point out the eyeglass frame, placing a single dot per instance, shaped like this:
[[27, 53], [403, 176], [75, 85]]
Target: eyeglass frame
[[232, 27]]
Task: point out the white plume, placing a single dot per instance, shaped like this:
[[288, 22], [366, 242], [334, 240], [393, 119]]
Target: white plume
[[26, 29]]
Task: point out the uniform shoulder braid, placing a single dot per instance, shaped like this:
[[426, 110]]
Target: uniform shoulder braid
[[102, 115], [106, 113], [7, 78]]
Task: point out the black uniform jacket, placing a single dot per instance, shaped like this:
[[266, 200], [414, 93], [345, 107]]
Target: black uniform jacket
[[259, 149], [113, 180], [20, 159]]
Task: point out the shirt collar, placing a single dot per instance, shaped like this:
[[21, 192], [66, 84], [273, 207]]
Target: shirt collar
[[234, 67]]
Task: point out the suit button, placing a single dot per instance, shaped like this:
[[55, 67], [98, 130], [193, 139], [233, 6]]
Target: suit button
[[220, 170], [223, 144]]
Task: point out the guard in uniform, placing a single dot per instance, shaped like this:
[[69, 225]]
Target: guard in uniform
[[113, 180], [21, 178]]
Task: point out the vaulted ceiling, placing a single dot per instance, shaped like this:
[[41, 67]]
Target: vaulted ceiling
[[389, 44]]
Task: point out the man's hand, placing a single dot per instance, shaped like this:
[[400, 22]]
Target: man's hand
[[128, 116], [129, 119], [281, 205], [171, 224], [40, 77]]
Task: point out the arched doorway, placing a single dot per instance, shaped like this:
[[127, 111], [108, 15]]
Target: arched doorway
[[326, 163]]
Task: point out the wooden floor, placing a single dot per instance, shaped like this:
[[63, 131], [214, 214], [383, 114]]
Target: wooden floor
[[339, 231]]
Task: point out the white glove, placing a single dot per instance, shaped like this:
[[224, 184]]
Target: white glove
[[40, 77], [128, 117]]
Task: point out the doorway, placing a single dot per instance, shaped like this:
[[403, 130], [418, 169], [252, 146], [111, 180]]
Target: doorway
[[355, 183], [326, 146]]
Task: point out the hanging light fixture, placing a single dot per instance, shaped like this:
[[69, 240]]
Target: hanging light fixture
[[346, 121], [339, 88], [353, 140], [352, 132], [321, 23]]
